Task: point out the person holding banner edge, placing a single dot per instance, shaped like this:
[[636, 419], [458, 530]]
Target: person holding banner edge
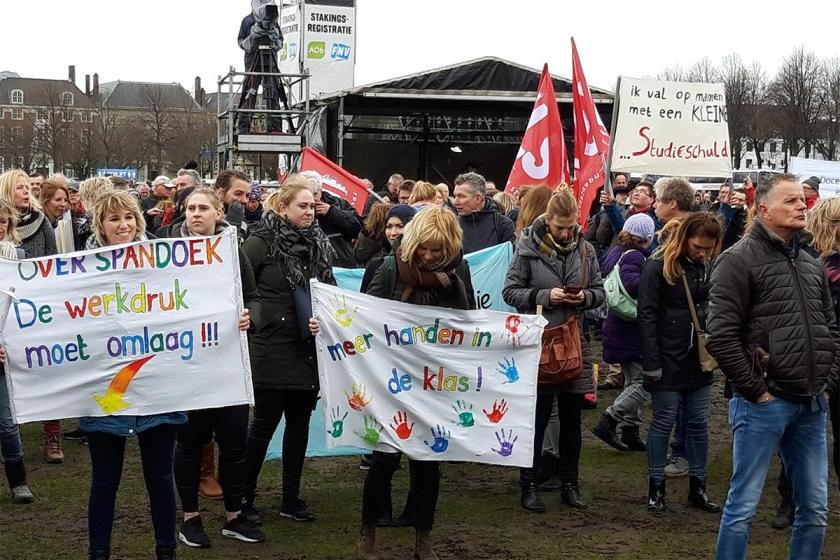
[[555, 268], [117, 219], [427, 268], [229, 424], [285, 251]]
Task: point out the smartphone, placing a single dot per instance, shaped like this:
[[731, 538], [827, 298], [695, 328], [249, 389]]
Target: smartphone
[[573, 289]]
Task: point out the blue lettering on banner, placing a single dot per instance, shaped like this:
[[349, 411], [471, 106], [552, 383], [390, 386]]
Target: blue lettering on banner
[[340, 51]]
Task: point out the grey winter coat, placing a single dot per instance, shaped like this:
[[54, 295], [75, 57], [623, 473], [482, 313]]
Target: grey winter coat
[[533, 274]]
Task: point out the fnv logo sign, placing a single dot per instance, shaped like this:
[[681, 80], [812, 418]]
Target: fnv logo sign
[[316, 49], [340, 52]]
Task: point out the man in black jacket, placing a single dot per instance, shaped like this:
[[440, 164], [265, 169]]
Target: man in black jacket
[[483, 225], [337, 219], [773, 333], [260, 37]]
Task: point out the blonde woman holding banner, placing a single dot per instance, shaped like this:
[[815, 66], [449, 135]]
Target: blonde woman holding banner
[[427, 268], [116, 220]]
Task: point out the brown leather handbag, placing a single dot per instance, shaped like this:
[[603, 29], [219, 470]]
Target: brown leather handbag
[[561, 359]]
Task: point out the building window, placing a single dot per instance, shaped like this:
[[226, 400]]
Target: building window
[[773, 146], [66, 115], [43, 115], [16, 96], [85, 116], [17, 163], [17, 133], [17, 114], [67, 99]]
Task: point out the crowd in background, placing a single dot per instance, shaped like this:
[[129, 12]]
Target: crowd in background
[[669, 280]]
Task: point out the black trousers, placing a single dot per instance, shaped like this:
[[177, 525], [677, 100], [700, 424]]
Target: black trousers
[[269, 407], [230, 424], [569, 409], [424, 487]]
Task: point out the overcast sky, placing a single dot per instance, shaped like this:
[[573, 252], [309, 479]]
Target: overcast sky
[[175, 40]]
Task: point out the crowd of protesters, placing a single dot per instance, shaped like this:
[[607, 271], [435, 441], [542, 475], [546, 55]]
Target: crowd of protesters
[[674, 283]]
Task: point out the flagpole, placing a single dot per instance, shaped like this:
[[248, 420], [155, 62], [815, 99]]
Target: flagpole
[[613, 121]]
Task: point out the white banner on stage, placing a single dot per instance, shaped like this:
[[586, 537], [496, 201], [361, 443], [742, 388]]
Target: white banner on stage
[[827, 171], [143, 328], [671, 128], [437, 384]]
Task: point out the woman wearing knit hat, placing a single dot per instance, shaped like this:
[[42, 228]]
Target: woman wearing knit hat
[[622, 341], [396, 219]]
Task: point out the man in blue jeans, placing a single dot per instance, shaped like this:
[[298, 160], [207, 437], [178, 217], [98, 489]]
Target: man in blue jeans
[[773, 332]]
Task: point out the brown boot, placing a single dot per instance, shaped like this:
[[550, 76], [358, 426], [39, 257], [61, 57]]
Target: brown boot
[[53, 453], [423, 547], [366, 549], [208, 486]]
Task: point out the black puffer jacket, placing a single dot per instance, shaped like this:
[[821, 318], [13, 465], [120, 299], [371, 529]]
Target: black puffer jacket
[[669, 343], [770, 297]]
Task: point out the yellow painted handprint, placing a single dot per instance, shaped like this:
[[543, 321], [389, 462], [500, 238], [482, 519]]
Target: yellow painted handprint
[[342, 314]]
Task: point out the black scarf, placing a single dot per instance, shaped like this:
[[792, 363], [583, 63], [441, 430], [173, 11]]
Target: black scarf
[[293, 248]]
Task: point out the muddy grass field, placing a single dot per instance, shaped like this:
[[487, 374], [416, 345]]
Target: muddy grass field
[[479, 516]]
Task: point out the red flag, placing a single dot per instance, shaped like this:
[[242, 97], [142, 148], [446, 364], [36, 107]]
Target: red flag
[[336, 180], [542, 155], [592, 141]]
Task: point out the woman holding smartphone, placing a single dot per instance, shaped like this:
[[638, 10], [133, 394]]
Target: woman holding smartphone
[[554, 267]]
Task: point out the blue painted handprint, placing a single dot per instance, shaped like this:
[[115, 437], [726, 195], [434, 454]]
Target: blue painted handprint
[[464, 411], [441, 442], [505, 443], [508, 369], [337, 423]]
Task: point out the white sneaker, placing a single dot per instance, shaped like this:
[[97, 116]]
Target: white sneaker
[[22, 495]]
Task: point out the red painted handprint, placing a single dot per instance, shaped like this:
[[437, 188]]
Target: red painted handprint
[[399, 423], [359, 397], [498, 412]]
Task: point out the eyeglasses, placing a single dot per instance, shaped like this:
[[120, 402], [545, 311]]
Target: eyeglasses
[[641, 190]]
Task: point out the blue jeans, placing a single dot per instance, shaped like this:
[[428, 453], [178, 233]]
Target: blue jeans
[[799, 433], [107, 451], [695, 412], [678, 441], [10, 445]]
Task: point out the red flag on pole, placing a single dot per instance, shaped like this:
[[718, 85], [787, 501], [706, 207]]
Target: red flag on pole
[[336, 180], [542, 155], [592, 141]]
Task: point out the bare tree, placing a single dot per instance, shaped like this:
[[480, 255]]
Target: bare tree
[[759, 122], [674, 73], [829, 137], [795, 92], [704, 70], [735, 77], [157, 125]]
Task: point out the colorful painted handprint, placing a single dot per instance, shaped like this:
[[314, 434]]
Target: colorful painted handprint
[[340, 312], [372, 431], [358, 397], [508, 369], [441, 441], [337, 422], [505, 443], [399, 423], [464, 411], [499, 410]]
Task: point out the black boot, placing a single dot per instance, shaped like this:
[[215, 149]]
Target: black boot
[[406, 518], [165, 553], [784, 514], [530, 500], [99, 555], [630, 438], [570, 494], [385, 519], [697, 496], [656, 495], [605, 431]]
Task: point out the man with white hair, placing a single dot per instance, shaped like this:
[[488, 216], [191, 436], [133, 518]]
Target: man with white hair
[[187, 178], [337, 219]]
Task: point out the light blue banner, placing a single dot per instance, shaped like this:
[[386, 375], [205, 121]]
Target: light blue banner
[[488, 269]]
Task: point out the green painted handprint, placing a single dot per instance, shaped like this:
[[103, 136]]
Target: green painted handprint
[[372, 430], [337, 423], [464, 411]]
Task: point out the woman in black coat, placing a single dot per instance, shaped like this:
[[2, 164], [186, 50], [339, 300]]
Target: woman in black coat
[[285, 251], [203, 216], [672, 372], [426, 269]]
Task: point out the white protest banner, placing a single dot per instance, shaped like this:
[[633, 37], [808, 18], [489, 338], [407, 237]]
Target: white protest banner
[[827, 171], [142, 328], [437, 384], [671, 128], [329, 34]]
